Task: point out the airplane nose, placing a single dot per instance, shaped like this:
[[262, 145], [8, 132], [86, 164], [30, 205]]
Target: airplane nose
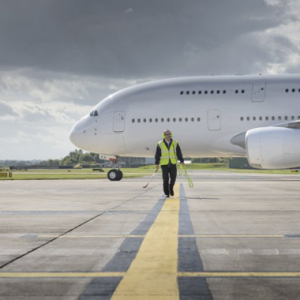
[[76, 135], [73, 136], [83, 135]]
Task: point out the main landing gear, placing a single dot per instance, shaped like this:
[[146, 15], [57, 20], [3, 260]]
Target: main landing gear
[[115, 175]]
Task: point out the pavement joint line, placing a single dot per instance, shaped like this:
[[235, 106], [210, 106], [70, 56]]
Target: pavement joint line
[[68, 231], [48, 242]]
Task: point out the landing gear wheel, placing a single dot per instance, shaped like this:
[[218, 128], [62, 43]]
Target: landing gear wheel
[[112, 175], [115, 175], [120, 174]]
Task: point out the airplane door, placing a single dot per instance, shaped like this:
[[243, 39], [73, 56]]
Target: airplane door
[[214, 119], [258, 91], [119, 121]]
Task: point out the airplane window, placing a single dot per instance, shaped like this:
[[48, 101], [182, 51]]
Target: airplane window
[[132, 120], [194, 92], [285, 117], [260, 118], [292, 117], [174, 119], [218, 92], [198, 119], [293, 90], [242, 119], [181, 93], [192, 119], [224, 92], [236, 91], [187, 92], [299, 90], [205, 92], [150, 120], [156, 120], [286, 90], [92, 113], [298, 117], [279, 118], [273, 118], [162, 119], [180, 119], [201, 92], [95, 113], [254, 118], [211, 92], [145, 120], [243, 91], [186, 119], [168, 119], [267, 118], [248, 119], [139, 120]]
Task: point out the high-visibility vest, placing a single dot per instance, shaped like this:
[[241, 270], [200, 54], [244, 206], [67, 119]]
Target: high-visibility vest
[[168, 154]]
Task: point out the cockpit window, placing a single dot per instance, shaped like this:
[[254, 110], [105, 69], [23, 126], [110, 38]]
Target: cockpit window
[[94, 113]]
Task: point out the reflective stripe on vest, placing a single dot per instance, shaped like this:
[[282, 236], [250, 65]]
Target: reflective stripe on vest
[[168, 154]]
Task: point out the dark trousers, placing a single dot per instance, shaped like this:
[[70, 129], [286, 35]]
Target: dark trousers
[[169, 172]]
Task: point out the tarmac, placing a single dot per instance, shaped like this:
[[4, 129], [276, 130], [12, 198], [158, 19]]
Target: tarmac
[[232, 236]]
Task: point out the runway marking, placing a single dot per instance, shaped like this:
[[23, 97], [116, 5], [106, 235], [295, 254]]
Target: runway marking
[[239, 274], [95, 236], [180, 236], [153, 273], [234, 236], [124, 274], [62, 274]]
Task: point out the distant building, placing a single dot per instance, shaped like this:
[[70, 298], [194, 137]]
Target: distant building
[[132, 161], [239, 163]]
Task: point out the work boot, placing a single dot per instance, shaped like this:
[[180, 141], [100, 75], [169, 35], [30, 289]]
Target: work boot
[[171, 191]]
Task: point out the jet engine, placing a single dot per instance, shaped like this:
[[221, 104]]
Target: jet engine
[[273, 147]]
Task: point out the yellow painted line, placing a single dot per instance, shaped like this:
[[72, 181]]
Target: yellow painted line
[[57, 274], [122, 274], [181, 236], [234, 236], [240, 274], [92, 236], [153, 273]]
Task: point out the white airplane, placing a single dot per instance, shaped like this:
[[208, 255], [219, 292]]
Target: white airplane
[[257, 117]]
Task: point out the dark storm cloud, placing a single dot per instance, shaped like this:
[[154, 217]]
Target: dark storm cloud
[[125, 39]]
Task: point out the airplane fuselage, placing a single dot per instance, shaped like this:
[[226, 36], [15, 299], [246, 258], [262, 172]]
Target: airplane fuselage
[[203, 113]]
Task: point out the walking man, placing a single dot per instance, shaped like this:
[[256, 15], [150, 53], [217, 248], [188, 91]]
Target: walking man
[[167, 154]]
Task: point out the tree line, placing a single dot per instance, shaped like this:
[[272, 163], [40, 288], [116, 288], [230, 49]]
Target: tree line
[[74, 158]]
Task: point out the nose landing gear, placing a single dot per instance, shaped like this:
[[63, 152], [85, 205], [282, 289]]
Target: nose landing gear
[[115, 175]]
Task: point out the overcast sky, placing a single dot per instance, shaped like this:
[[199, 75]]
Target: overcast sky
[[58, 58]]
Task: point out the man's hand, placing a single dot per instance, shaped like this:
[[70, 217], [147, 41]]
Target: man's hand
[[157, 167]]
